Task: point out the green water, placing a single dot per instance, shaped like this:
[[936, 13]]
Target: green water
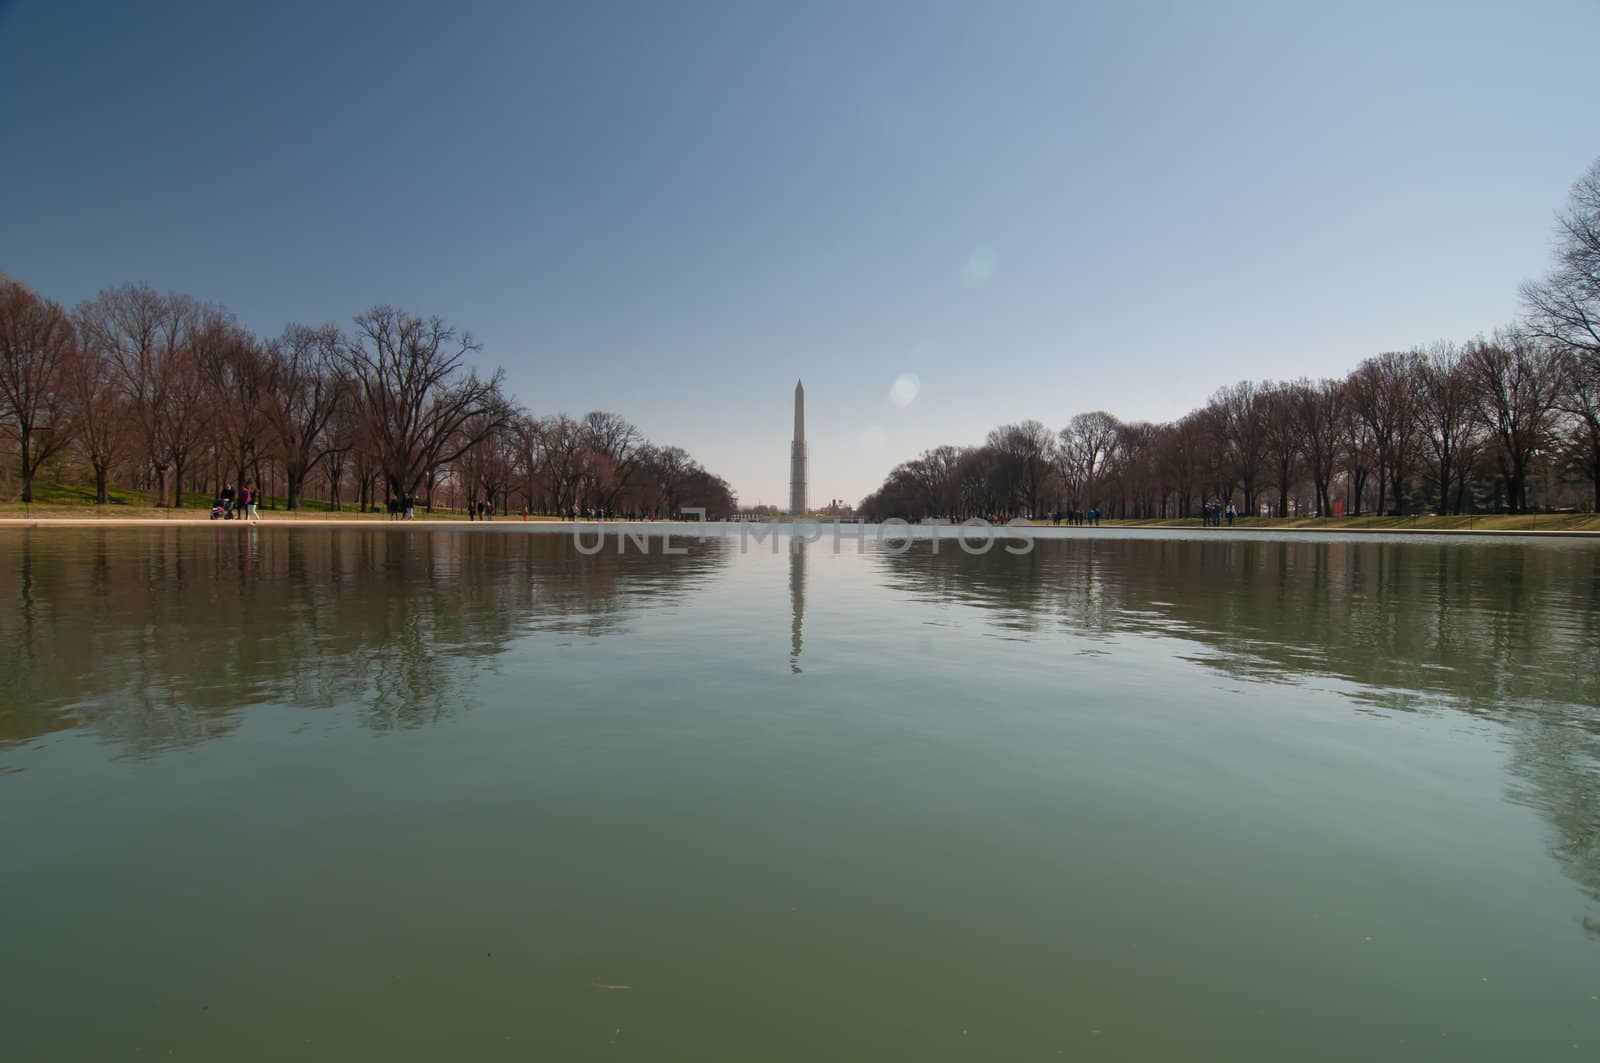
[[389, 794]]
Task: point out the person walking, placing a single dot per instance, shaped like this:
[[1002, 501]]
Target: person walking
[[248, 497], [1230, 514]]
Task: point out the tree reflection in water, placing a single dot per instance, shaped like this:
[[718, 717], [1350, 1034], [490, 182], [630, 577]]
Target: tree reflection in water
[[154, 638], [1506, 630]]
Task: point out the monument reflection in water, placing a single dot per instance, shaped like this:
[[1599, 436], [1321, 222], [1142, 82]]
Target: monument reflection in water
[[367, 793], [797, 600]]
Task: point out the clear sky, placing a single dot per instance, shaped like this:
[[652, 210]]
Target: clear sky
[[674, 210]]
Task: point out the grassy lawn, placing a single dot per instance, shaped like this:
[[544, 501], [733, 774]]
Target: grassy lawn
[[74, 500], [77, 500], [1470, 522]]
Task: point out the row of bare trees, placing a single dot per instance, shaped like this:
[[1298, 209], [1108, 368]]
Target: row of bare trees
[[1446, 429], [599, 464], [170, 394], [1505, 422]]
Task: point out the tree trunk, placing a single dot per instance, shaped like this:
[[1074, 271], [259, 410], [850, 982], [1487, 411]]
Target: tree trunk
[[27, 471]]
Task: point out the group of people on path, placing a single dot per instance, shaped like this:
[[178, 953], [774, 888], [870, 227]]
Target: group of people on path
[[403, 508], [243, 505], [1215, 512], [1077, 517], [602, 513]]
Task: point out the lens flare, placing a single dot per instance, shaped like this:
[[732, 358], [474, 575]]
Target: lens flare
[[980, 267], [904, 390]]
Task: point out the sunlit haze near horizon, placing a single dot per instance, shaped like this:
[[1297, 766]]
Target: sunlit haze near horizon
[[941, 217]]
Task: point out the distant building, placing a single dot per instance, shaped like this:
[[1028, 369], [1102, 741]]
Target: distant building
[[797, 453]]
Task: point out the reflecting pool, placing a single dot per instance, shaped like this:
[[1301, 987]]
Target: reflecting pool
[[402, 794]]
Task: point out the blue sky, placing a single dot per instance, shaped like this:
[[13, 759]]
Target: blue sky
[[674, 210]]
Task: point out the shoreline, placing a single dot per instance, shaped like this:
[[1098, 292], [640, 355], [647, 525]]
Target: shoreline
[[431, 524]]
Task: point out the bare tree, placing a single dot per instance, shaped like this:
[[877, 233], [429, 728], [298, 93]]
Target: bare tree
[[1138, 471], [99, 414], [933, 478], [1565, 306], [191, 417], [527, 432], [1382, 391], [979, 483], [1517, 380], [417, 393], [1284, 443], [669, 470], [140, 334], [615, 447], [222, 390], [561, 445], [1088, 445], [1579, 399], [1319, 409], [342, 436], [234, 371], [1448, 412], [1025, 453], [1239, 415], [306, 386], [490, 464], [1356, 446], [1182, 446], [36, 344]]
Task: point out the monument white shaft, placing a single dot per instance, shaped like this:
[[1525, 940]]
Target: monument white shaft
[[797, 453]]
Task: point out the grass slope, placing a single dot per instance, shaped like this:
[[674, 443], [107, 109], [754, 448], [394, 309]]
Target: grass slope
[[1468, 522], [77, 500]]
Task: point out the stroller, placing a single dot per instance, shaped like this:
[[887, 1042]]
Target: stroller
[[220, 510]]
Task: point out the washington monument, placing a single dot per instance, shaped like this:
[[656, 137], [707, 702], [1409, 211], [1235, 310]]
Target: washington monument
[[797, 454]]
